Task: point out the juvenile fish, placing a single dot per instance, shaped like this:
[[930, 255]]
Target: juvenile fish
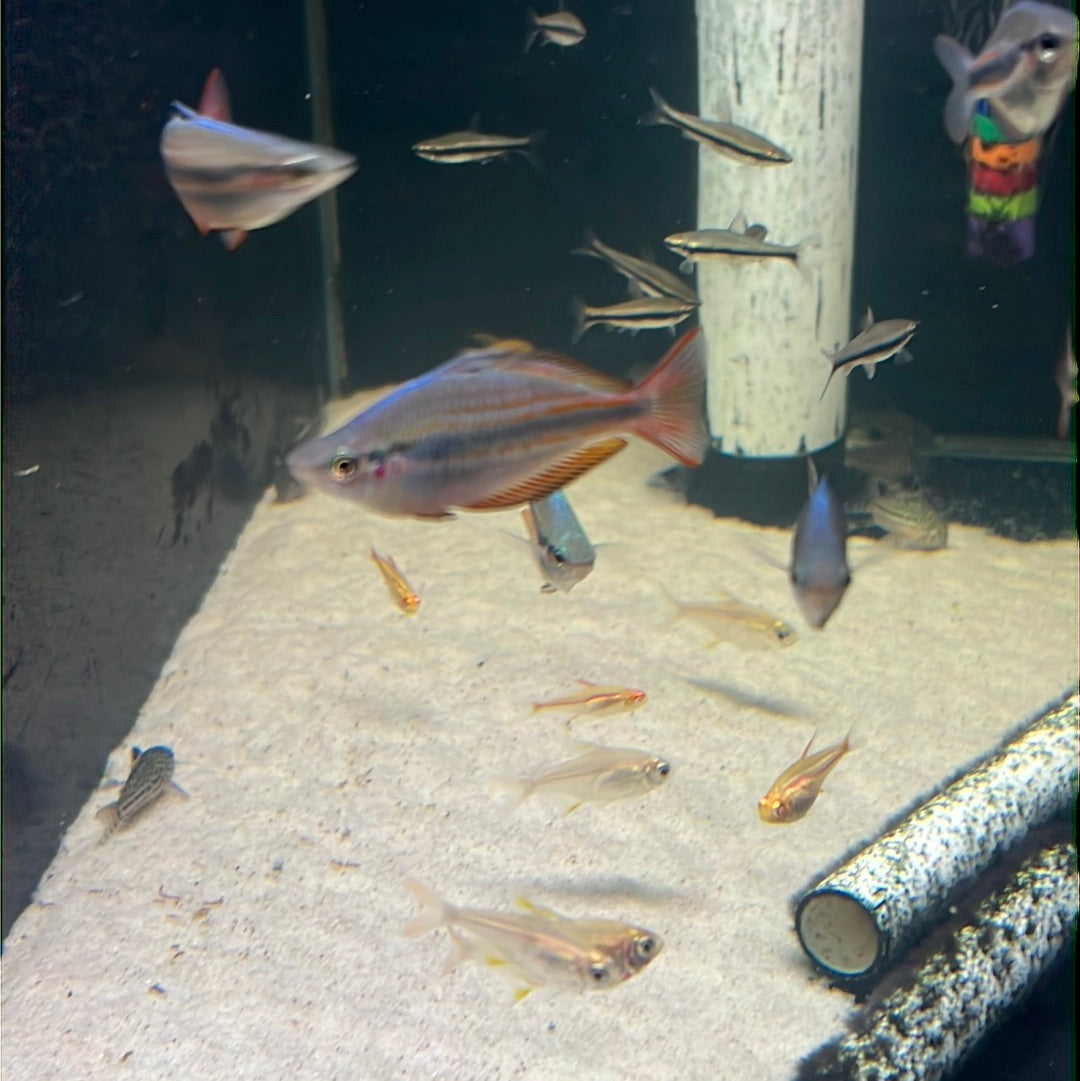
[[400, 590], [1025, 71], [562, 547], [472, 145], [641, 313], [736, 243], [740, 144], [539, 947], [737, 623], [490, 429], [599, 775], [594, 699], [909, 518], [561, 28], [650, 279], [819, 570], [794, 791], [151, 773], [875, 342]]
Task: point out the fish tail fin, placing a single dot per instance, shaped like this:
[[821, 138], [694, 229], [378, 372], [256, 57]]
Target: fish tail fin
[[674, 391], [109, 817], [656, 115], [233, 238], [676, 605], [581, 324], [214, 102], [534, 28], [517, 792], [956, 61], [435, 912], [588, 244]]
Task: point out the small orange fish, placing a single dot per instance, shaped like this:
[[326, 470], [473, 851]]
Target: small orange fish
[[595, 699], [794, 791], [400, 590]]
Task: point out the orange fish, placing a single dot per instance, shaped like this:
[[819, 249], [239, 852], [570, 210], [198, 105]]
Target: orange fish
[[400, 590], [595, 699], [794, 791]]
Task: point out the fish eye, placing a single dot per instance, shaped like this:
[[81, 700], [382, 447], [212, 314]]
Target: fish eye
[[664, 769], [1048, 46], [599, 973], [783, 631], [645, 946], [343, 467]]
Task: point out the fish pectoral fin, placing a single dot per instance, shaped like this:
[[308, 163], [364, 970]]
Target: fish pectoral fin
[[179, 791], [556, 476], [523, 992]]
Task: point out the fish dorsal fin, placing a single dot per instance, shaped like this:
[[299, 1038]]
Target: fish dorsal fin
[[536, 910], [806, 749], [556, 476], [474, 121], [214, 102], [868, 319], [811, 472], [738, 223], [537, 364]]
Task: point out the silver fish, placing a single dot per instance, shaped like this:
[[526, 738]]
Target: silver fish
[[1024, 72], [540, 947], [490, 429], [642, 313], [819, 570], [652, 280], [873, 344], [561, 28], [598, 775], [151, 773], [739, 624], [232, 179], [472, 145], [740, 144], [562, 547], [737, 242], [907, 516], [1065, 378]]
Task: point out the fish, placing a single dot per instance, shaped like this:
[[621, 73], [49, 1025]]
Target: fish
[[539, 947], [739, 624], [650, 279], [739, 144], [490, 429], [907, 516], [562, 547], [1024, 71], [473, 145], [598, 775], [819, 571], [231, 179], [737, 242], [793, 793], [400, 590], [1065, 378], [595, 699], [642, 313], [561, 28], [151, 774], [873, 344]]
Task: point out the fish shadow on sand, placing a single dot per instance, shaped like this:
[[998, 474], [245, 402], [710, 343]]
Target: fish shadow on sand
[[777, 706], [605, 886]]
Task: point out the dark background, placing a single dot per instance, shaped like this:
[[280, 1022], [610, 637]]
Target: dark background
[[432, 254]]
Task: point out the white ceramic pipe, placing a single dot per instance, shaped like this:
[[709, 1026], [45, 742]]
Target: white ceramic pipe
[[791, 70]]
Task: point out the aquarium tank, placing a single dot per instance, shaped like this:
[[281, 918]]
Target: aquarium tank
[[539, 542]]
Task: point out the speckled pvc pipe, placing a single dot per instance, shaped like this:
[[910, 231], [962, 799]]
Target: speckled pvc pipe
[[860, 918], [925, 1030]]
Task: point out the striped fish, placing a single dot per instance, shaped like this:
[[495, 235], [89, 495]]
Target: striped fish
[[642, 313], [648, 278], [739, 241], [740, 144], [232, 179], [151, 773], [490, 429], [875, 343], [561, 28], [473, 145]]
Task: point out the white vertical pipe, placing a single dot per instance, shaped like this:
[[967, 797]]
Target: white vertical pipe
[[790, 69]]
